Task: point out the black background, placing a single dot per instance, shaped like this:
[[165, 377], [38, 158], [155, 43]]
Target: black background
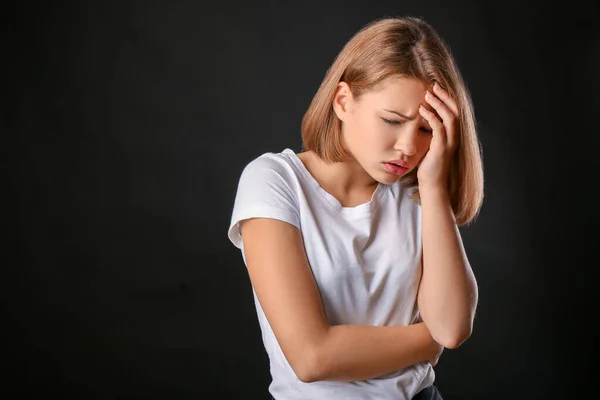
[[125, 128]]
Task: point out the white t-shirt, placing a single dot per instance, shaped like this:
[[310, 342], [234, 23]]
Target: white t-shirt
[[366, 261]]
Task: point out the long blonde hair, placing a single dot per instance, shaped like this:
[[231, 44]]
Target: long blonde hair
[[410, 47]]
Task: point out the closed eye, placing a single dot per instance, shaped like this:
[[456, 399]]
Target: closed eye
[[392, 122]]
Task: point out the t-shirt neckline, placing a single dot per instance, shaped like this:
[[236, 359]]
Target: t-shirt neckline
[[361, 210]]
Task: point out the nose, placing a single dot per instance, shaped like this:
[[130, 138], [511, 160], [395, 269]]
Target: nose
[[407, 142]]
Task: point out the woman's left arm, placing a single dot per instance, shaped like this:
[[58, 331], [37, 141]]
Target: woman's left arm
[[448, 291]]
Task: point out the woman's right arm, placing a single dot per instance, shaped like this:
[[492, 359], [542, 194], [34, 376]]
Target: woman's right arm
[[286, 289]]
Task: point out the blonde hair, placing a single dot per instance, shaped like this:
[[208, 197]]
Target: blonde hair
[[410, 47]]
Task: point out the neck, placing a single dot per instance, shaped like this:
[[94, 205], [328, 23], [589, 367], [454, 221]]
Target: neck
[[345, 178]]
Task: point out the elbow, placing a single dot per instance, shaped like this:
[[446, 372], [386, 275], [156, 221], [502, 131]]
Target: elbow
[[453, 342], [309, 367], [453, 339], [307, 375], [309, 357]]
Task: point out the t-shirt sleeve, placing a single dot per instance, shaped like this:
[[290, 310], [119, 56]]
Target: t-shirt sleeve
[[265, 190]]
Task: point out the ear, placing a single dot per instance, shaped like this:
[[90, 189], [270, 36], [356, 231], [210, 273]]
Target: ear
[[343, 101]]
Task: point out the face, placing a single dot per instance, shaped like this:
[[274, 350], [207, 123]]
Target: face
[[383, 128]]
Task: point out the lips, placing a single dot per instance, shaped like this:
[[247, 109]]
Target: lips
[[396, 167], [399, 163]]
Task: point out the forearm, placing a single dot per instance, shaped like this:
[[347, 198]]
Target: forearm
[[356, 352], [448, 291]]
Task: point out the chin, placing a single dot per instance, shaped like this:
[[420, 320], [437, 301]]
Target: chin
[[387, 178]]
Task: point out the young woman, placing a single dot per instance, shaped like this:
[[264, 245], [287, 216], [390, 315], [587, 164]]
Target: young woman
[[359, 275]]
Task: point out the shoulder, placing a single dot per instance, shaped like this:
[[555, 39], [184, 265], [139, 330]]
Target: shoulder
[[267, 188], [270, 166], [271, 170]]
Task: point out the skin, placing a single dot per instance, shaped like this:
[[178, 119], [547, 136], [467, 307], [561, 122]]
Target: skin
[[427, 139], [281, 275], [448, 292], [373, 136]]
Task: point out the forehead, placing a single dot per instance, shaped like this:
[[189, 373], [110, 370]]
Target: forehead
[[398, 91]]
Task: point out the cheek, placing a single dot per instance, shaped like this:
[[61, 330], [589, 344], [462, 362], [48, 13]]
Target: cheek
[[366, 131]]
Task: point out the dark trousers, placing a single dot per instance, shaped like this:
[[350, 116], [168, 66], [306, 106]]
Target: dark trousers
[[429, 393]]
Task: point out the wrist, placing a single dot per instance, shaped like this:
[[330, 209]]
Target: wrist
[[438, 192], [428, 344]]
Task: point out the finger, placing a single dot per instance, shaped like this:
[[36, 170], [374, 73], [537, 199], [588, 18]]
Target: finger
[[442, 109], [436, 125], [446, 98], [448, 118]]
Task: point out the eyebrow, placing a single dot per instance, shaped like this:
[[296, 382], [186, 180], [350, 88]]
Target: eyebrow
[[406, 117], [399, 114]]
